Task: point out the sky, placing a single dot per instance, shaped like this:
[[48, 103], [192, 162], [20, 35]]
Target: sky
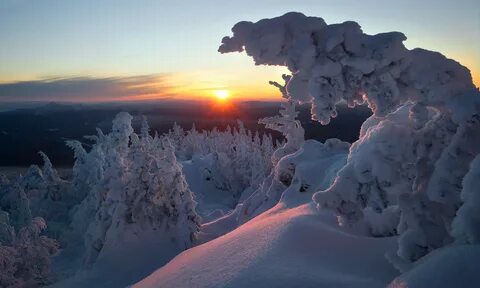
[[113, 50]]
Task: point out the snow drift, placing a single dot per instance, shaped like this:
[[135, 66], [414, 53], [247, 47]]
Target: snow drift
[[284, 247]]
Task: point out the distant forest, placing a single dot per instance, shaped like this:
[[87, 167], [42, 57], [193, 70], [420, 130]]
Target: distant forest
[[25, 132]]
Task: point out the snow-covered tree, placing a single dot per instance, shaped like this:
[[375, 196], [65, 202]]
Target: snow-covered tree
[[34, 250], [24, 252], [285, 123], [48, 196], [135, 185], [268, 187], [466, 225], [25, 255], [80, 171], [239, 160], [106, 195], [7, 231], [16, 202], [412, 154]]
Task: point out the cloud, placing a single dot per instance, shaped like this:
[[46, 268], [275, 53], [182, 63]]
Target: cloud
[[87, 89]]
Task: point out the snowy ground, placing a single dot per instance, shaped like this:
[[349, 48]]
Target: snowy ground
[[284, 247], [299, 247], [208, 197], [453, 266], [135, 260]]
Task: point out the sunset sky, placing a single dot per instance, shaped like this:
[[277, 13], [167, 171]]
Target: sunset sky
[[128, 50]]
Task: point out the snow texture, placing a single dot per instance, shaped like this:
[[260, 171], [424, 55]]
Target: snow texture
[[283, 247]]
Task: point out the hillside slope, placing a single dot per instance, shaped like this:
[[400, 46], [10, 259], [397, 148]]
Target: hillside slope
[[283, 247]]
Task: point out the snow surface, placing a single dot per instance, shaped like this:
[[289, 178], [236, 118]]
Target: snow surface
[[208, 196], [283, 247], [452, 266], [133, 260]]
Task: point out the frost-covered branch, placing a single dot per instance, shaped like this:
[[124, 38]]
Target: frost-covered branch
[[285, 123]]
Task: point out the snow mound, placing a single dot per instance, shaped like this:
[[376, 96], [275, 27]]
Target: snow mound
[[453, 266], [282, 247]]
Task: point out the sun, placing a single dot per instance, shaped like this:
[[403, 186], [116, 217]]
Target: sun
[[221, 94]]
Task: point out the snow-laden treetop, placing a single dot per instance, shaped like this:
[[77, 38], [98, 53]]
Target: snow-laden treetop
[[407, 167], [338, 62]]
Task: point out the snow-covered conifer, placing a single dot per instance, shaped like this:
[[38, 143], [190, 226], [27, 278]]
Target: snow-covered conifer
[[412, 153], [141, 189], [286, 123], [466, 225]]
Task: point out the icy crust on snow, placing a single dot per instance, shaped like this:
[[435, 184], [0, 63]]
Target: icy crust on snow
[[404, 175], [283, 247]]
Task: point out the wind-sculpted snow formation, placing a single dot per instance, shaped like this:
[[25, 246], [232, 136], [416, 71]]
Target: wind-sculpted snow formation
[[404, 175]]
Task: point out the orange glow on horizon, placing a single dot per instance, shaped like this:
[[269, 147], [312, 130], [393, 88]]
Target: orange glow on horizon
[[212, 86], [243, 85]]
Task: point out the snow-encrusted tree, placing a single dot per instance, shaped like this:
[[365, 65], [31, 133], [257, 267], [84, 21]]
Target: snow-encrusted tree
[[408, 165], [135, 185], [15, 201], [81, 171], [289, 161], [466, 225], [48, 196], [285, 123], [238, 160], [25, 253]]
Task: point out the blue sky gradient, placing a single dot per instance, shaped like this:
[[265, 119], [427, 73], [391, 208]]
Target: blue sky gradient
[[54, 38]]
